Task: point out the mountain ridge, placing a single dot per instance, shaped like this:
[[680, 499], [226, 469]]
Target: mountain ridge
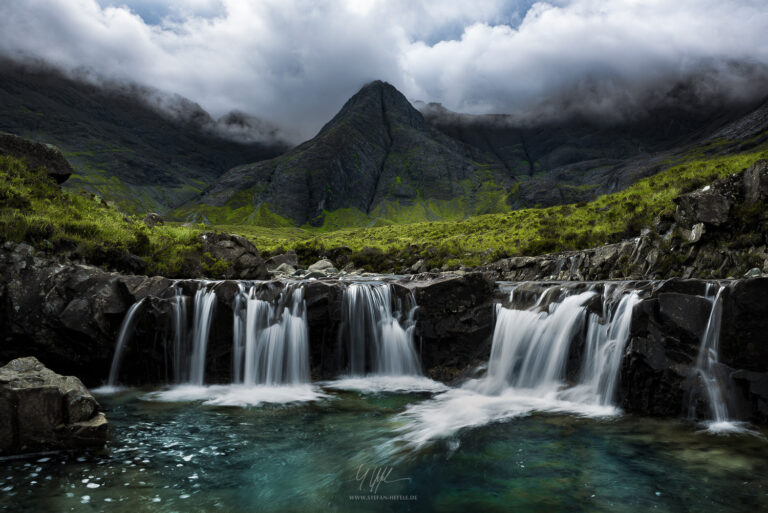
[[377, 151], [124, 149]]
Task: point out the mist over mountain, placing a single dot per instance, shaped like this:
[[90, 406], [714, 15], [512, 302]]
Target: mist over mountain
[[294, 66], [379, 160], [139, 147], [377, 157]]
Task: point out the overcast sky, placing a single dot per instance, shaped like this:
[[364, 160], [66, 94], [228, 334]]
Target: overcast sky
[[294, 62]]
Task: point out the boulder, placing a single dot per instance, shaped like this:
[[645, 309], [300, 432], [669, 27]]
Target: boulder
[[419, 267], [284, 268], [276, 261], [42, 410], [37, 155], [152, 219], [756, 182], [707, 205], [241, 256], [323, 265]]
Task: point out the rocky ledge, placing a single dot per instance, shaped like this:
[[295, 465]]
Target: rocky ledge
[[718, 231], [41, 410]]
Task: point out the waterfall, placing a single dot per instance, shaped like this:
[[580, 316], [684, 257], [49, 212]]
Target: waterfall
[[271, 341], [707, 361], [603, 351], [530, 348], [180, 352], [238, 335], [205, 300], [126, 330], [528, 365], [379, 340]]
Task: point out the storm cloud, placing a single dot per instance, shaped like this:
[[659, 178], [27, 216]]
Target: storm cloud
[[294, 62]]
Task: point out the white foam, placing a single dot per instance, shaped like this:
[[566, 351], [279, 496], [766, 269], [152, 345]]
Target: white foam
[[376, 384], [107, 390], [461, 408], [239, 395], [728, 427]]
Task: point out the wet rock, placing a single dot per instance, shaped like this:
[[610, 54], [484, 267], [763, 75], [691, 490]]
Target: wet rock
[[454, 321], [42, 410], [755, 272], [744, 333]]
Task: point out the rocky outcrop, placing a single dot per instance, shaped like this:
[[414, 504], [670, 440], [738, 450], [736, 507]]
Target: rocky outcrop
[[153, 219], [64, 313], [658, 375], [71, 314], [42, 410], [237, 256], [37, 155], [454, 321], [719, 231]]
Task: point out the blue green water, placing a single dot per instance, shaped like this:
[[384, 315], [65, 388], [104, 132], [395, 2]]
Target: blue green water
[[186, 456]]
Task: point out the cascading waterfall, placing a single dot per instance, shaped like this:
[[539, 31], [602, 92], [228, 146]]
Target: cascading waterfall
[[528, 365], [530, 348], [603, 350], [205, 301], [126, 330], [271, 340], [707, 364], [378, 341], [180, 354]]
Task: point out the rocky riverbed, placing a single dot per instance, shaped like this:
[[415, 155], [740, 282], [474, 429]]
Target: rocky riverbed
[[68, 315]]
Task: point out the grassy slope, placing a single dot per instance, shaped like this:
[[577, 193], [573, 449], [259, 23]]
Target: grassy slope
[[532, 231], [34, 209]]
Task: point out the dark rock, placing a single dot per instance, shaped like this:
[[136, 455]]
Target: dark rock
[[756, 182], [706, 205], [152, 219], [37, 155], [241, 256], [454, 322], [276, 261], [685, 314], [744, 334], [43, 410]]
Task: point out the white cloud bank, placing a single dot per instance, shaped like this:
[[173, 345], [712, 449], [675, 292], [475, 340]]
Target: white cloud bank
[[294, 62]]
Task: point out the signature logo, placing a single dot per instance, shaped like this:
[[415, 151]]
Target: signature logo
[[371, 478]]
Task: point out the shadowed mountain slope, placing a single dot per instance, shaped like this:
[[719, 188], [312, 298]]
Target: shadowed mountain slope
[[376, 159], [121, 147]]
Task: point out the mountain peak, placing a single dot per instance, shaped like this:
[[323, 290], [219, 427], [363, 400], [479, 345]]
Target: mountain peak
[[376, 155], [379, 103]]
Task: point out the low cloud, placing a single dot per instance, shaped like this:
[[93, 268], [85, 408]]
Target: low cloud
[[294, 62]]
